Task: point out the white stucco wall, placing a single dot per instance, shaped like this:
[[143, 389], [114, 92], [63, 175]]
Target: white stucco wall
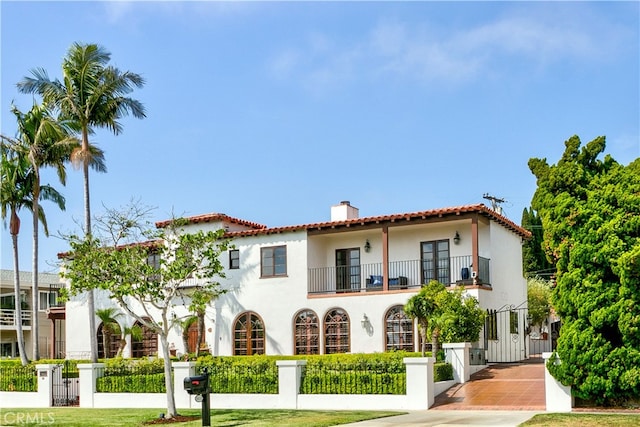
[[277, 299]]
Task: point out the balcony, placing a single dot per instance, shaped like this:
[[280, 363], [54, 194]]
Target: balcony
[[8, 317], [402, 275]]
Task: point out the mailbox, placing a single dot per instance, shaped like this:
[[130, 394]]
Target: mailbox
[[197, 385]]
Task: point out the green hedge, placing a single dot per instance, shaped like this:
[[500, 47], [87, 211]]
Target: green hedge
[[18, 378], [442, 372], [133, 383], [377, 373], [132, 376]]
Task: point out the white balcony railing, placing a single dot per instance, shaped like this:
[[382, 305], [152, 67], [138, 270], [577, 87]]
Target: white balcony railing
[[8, 317]]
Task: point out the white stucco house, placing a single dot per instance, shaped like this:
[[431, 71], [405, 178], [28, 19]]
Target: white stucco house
[[339, 285]]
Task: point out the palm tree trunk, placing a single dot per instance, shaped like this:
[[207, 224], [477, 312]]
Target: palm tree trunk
[[434, 343], [93, 338], [35, 323], [15, 226]]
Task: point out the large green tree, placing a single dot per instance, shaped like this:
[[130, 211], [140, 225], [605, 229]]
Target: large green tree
[[93, 94], [590, 211], [17, 193], [183, 264]]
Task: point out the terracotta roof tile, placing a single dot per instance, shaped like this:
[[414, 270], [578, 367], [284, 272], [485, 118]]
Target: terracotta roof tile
[[433, 213], [212, 217]]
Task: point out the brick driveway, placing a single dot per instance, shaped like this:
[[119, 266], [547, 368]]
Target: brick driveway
[[509, 387]]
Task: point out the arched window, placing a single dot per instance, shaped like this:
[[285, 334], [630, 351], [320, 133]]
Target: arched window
[[112, 341], [399, 330], [148, 345], [306, 333], [248, 335], [336, 331]]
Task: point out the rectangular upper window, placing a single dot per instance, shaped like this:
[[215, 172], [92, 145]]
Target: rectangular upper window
[[47, 300], [273, 261], [234, 259]]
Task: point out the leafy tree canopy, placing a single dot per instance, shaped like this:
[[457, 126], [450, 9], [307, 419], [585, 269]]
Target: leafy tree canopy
[[590, 211], [170, 267], [445, 315], [538, 300], [534, 259]]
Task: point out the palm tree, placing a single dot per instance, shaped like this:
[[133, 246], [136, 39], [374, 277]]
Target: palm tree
[[92, 94], [136, 335], [110, 326], [16, 193], [45, 142]]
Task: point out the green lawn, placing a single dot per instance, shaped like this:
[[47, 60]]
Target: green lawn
[[86, 417], [583, 420]]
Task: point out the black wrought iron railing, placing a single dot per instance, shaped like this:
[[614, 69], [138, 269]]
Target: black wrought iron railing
[[402, 275]]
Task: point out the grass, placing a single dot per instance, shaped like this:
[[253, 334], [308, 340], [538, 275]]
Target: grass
[[87, 417], [583, 420]]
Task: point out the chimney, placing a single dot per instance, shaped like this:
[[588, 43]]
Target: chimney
[[343, 211]]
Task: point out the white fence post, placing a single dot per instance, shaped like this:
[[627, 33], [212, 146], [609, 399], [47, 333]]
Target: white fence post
[[182, 370], [289, 378], [420, 384], [88, 374], [458, 357], [45, 384], [557, 396]]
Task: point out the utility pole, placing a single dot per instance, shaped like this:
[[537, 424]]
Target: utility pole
[[495, 202]]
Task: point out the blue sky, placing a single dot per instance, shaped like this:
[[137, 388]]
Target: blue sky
[[273, 112]]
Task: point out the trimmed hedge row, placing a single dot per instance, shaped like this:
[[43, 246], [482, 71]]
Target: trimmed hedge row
[[377, 373], [132, 376], [139, 383], [18, 378]]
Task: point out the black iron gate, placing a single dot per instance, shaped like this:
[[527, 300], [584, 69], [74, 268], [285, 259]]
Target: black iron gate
[[66, 385]]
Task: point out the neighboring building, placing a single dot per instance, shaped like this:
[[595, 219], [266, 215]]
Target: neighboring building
[[339, 286], [50, 315]]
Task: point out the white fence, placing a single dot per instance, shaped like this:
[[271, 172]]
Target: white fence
[[420, 389]]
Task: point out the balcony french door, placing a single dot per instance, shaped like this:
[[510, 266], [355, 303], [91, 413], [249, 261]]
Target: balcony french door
[[347, 269], [435, 261]]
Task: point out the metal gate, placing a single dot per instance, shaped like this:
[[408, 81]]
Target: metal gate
[[66, 385], [507, 336]]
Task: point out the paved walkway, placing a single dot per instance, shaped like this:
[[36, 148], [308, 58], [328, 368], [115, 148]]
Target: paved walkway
[[500, 395], [506, 387], [443, 418]]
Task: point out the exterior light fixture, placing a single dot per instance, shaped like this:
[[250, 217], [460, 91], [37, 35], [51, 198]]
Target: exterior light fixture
[[365, 321], [367, 246], [456, 238]]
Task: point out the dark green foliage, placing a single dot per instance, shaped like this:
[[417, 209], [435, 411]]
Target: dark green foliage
[[590, 211], [252, 374], [378, 373], [534, 259], [132, 376], [16, 377], [442, 372]]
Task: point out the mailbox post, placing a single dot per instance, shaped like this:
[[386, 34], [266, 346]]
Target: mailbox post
[[199, 385]]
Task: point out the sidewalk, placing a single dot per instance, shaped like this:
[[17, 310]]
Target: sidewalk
[[455, 418]]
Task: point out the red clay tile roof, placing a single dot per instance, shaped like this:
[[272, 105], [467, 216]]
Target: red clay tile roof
[[434, 213], [211, 217]]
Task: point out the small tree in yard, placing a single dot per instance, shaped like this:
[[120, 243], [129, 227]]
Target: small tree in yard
[[538, 300], [444, 314], [125, 273]]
